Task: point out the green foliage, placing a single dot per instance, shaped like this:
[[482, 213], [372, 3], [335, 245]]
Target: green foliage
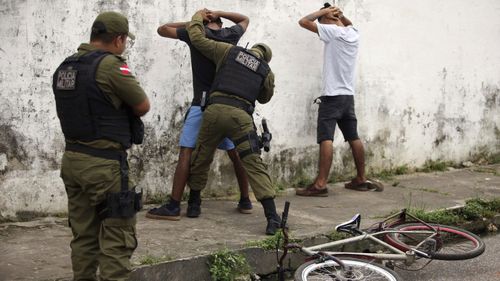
[[270, 243], [389, 174], [334, 236], [301, 180], [441, 216], [479, 208], [435, 165], [280, 186], [474, 209], [227, 266]]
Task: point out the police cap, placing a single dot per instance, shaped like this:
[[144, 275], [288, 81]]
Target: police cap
[[266, 52], [111, 22]]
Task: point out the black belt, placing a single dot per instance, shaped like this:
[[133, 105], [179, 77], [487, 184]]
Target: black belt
[[248, 108], [118, 155]]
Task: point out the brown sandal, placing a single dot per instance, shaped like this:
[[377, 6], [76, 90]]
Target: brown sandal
[[368, 185], [312, 190]]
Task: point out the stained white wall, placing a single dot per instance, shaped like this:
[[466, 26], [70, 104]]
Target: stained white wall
[[428, 86]]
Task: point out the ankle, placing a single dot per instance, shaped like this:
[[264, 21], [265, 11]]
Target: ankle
[[194, 196], [173, 203]]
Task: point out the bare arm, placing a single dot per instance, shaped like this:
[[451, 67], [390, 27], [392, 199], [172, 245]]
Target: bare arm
[[237, 18], [169, 30], [211, 49], [345, 21], [308, 23]]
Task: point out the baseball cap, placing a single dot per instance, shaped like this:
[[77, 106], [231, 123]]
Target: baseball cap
[[111, 22]]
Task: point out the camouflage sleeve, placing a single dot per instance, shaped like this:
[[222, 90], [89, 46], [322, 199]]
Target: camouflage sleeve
[[213, 50], [267, 91], [116, 80]]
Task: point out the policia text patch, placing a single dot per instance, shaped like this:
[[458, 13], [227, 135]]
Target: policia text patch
[[66, 79], [248, 60]]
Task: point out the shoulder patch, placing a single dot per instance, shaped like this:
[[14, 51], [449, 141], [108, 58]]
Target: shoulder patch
[[125, 70]]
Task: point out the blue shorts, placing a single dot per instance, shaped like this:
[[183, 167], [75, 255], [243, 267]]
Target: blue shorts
[[192, 124]]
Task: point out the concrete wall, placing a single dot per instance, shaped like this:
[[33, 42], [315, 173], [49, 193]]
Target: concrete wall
[[428, 87]]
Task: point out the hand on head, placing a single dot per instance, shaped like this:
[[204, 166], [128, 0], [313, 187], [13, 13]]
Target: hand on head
[[212, 15], [204, 14]]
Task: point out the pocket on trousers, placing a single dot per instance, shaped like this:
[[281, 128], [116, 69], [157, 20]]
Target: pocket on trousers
[[116, 232]]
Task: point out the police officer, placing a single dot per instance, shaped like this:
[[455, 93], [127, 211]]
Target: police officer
[[99, 102], [203, 75], [242, 77]]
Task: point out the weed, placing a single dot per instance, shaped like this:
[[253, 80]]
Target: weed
[[474, 209], [271, 242], [280, 186], [389, 174], [440, 216], [301, 180], [479, 208], [334, 236], [435, 165], [225, 265]]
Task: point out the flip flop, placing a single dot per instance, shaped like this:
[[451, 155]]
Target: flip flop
[[368, 185]]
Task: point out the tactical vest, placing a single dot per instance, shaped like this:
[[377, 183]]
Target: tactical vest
[[242, 74], [85, 112]]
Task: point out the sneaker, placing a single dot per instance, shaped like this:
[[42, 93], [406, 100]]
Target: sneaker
[[273, 224], [193, 209], [245, 206], [165, 212], [312, 190]]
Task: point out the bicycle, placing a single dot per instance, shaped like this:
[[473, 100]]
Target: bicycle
[[401, 244]]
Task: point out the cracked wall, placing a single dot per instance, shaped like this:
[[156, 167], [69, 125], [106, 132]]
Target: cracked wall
[[427, 88]]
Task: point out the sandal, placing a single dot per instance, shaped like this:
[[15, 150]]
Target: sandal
[[368, 185]]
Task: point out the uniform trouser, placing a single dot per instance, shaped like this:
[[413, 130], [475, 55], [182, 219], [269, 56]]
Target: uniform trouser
[[108, 244], [220, 121]]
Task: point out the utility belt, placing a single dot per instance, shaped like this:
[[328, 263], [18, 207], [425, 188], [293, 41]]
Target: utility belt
[[248, 108], [123, 204]]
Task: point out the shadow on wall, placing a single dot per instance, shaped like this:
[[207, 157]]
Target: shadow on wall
[[12, 154]]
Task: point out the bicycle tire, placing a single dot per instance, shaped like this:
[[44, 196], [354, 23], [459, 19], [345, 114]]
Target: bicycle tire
[[359, 270], [468, 245]]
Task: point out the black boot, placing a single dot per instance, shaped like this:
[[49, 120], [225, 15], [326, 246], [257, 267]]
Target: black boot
[[194, 204], [273, 219]]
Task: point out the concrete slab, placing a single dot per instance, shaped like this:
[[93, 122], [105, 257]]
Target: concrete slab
[[39, 250]]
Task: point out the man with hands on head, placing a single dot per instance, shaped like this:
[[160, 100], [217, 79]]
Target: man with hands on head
[[203, 71], [336, 104], [242, 77]]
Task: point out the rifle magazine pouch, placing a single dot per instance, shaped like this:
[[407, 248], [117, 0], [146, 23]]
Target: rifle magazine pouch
[[137, 129], [123, 204]]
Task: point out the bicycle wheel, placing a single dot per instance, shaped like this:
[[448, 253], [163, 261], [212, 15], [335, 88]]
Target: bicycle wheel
[[355, 270], [451, 243]]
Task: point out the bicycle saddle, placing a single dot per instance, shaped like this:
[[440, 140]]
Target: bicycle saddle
[[350, 226]]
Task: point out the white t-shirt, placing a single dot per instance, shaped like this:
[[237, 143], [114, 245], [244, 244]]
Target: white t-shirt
[[340, 51]]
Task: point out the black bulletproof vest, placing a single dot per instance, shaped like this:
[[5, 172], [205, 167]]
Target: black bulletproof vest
[[241, 74], [85, 112]]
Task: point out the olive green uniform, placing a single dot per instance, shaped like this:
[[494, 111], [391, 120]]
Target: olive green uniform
[[110, 243], [220, 121]]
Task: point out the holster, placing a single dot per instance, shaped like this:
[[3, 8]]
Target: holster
[[123, 204]]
